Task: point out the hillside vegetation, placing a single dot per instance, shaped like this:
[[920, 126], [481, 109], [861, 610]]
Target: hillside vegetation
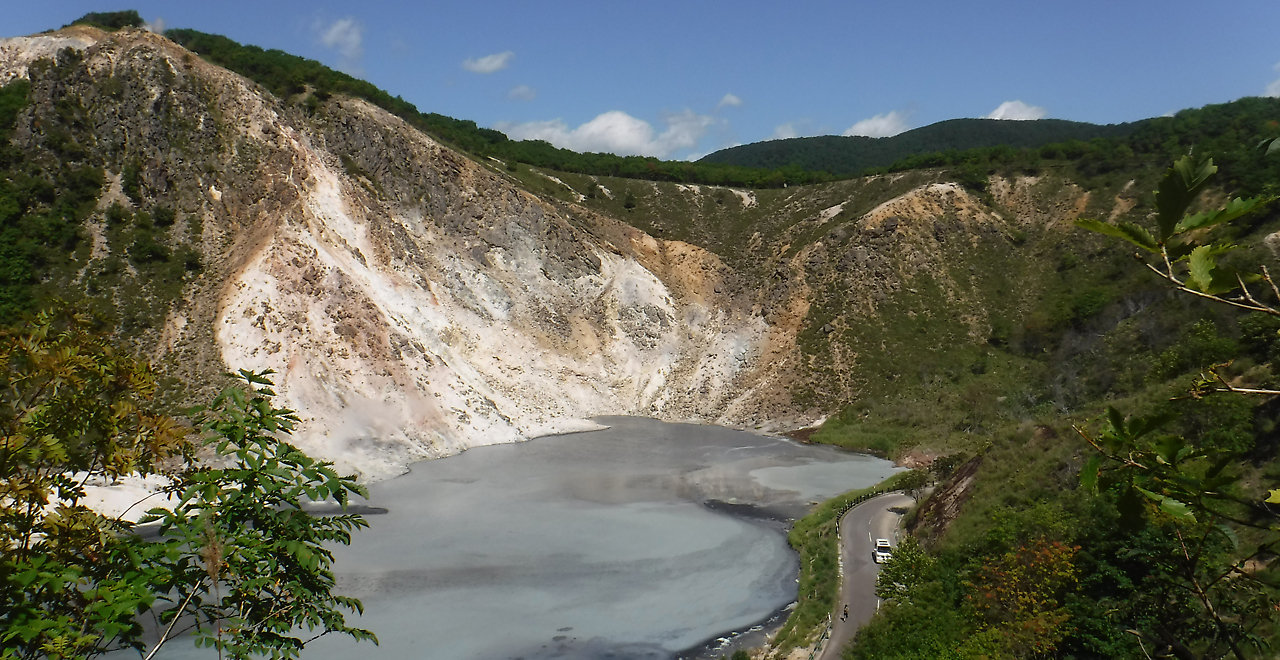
[[850, 155], [970, 145], [311, 83], [977, 322], [1156, 536]]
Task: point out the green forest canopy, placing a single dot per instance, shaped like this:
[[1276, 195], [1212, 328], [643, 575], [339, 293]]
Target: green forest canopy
[[976, 146], [111, 20], [845, 155]]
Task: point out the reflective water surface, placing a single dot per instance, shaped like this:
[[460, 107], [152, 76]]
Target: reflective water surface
[[639, 541]]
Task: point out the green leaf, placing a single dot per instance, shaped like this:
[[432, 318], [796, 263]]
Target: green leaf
[[1089, 473], [1228, 534], [1128, 231], [1177, 509], [1117, 421], [1179, 250], [1148, 494], [1203, 261], [1179, 187], [1274, 498], [1169, 505], [1228, 279], [1143, 425], [1171, 449], [1234, 209]]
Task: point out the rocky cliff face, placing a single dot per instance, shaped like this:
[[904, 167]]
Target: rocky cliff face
[[412, 302], [903, 287]]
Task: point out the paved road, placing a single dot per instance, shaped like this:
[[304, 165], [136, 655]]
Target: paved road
[[876, 518]]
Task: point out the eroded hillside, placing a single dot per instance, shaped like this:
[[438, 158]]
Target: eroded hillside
[[918, 306], [414, 302]]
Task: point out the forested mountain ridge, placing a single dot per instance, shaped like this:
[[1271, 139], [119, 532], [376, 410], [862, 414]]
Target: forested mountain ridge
[[310, 83], [967, 144], [847, 155]]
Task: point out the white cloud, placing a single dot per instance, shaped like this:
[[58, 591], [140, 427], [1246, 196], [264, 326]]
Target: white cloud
[[522, 93], [489, 63], [1017, 110], [617, 132], [886, 125], [1274, 88], [344, 35], [156, 26], [784, 131], [729, 100]]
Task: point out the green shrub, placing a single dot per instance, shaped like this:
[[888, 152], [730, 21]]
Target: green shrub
[[13, 100], [1199, 348], [111, 20], [1259, 338], [118, 214], [146, 249], [130, 183], [162, 216]]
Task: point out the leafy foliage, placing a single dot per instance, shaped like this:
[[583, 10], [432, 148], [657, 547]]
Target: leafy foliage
[[237, 558], [1219, 606], [251, 563], [41, 206], [1224, 131], [1167, 546], [50, 183], [1017, 596], [913, 482], [907, 569], [111, 20], [73, 410], [13, 98], [815, 538], [1179, 241]]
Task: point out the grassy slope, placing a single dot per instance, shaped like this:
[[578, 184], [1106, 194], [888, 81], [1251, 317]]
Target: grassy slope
[[1073, 324], [919, 377]]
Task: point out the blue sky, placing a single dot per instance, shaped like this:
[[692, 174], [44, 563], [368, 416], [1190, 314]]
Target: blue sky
[[680, 79]]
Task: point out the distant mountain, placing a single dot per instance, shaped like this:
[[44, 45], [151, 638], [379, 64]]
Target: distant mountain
[[848, 155], [978, 145]]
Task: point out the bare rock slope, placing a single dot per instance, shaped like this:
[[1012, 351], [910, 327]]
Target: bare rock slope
[[412, 302]]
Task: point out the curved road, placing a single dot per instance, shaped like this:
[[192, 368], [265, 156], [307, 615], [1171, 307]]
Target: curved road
[[876, 518]]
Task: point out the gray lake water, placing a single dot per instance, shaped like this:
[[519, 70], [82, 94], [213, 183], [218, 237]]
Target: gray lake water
[[640, 541]]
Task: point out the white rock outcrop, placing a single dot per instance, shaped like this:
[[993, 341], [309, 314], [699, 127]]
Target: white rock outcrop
[[412, 302]]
